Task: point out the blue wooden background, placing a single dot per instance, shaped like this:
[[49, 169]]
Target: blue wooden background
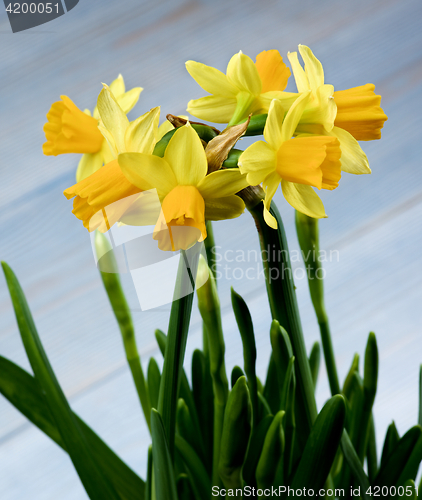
[[374, 221]]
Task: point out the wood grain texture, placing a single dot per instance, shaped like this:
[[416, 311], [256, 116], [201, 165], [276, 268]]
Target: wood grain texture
[[374, 221]]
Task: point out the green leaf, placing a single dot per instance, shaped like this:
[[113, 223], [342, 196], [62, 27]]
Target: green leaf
[[347, 386], [184, 488], [165, 484], [237, 372], [271, 389], [197, 472], [397, 462], [420, 396], [154, 380], [187, 429], [150, 475], [271, 457], [255, 449], [321, 446], [371, 452], [92, 476], [237, 428], [314, 361], [244, 323], [23, 391], [352, 459], [390, 442]]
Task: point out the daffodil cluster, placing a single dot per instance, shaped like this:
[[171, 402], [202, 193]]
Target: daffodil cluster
[[310, 136]]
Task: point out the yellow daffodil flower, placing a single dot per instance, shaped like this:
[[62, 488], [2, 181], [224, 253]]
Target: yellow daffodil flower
[[187, 194], [107, 186], [349, 115], [70, 130], [297, 164], [247, 87]]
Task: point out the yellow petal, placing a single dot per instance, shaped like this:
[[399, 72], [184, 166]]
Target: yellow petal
[[313, 67], [301, 79], [272, 70], [147, 172], [243, 74], [145, 211], [128, 100], [303, 198], [70, 130], [118, 87], [353, 159], [294, 116], [257, 161], [109, 139], [263, 102], [113, 117], [186, 156], [273, 125], [359, 112], [167, 126], [299, 160], [222, 183], [88, 164], [211, 79], [321, 108], [212, 108], [142, 134], [228, 207], [270, 185], [184, 214]]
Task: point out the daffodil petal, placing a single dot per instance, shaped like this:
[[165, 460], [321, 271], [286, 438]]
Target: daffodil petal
[[212, 108], [144, 211], [272, 70], [118, 87], [222, 183], [301, 79], [228, 207], [113, 117], [211, 79], [88, 164], [313, 67], [353, 159], [257, 161], [128, 100], [167, 126], [294, 115], [108, 136], [242, 73], [186, 156], [142, 134], [303, 198], [273, 125], [147, 171], [263, 102], [270, 185]]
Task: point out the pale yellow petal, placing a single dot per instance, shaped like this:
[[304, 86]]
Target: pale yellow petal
[[263, 102], [144, 211], [147, 172], [270, 186], [257, 161], [294, 116], [108, 136], [313, 67], [353, 159], [167, 126], [304, 199], [118, 87], [222, 183], [186, 156], [228, 207], [273, 125], [128, 100], [243, 74], [88, 164], [142, 134], [215, 109], [301, 79], [211, 79], [113, 117]]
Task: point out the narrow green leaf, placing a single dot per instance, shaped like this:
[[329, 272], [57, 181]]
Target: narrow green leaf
[[371, 452], [165, 484], [154, 380], [348, 381], [352, 459], [391, 471], [271, 456], [255, 448], [412, 465], [390, 442], [184, 488], [197, 472], [150, 476], [314, 361], [94, 480], [187, 428], [321, 446], [23, 392], [235, 436], [244, 323], [237, 372], [271, 390], [420, 396]]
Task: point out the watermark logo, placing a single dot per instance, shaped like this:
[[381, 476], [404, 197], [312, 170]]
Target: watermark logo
[[26, 14], [159, 277]]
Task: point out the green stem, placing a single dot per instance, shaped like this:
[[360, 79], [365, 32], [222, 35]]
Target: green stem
[[330, 361], [283, 304], [176, 343]]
